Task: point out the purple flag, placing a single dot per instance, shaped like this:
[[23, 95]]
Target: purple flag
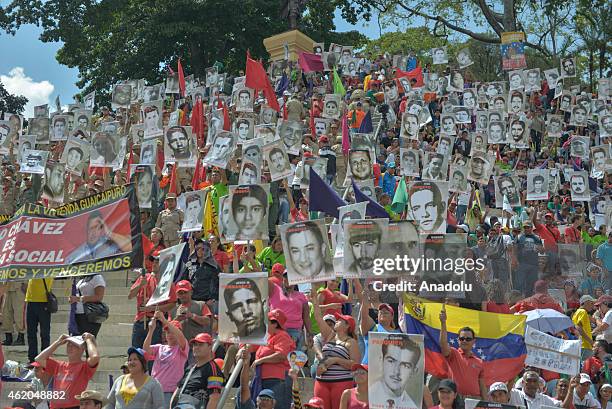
[[373, 209], [322, 197]]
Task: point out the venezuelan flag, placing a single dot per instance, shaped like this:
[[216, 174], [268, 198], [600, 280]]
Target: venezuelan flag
[[499, 343]]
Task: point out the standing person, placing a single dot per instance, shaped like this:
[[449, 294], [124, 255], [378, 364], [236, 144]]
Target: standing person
[[582, 320], [295, 306], [447, 393], [38, 314], [90, 289], [272, 254], [202, 383], [136, 389], [367, 324], [70, 378], [603, 258], [170, 221], [356, 397], [528, 245], [157, 238], [168, 359], [272, 359], [330, 298], [219, 253], [202, 271], [12, 313], [195, 316], [266, 399], [334, 370]]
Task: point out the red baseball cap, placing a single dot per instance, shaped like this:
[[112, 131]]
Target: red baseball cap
[[202, 338], [386, 307], [323, 138], [350, 321], [307, 154], [278, 316], [549, 215], [315, 402], [176, 323], [183, 285], [278, 269]]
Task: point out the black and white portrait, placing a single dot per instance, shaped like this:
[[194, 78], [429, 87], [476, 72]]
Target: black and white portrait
[[554, 125], [332, 105], [82, 119], [267, 115], [291, 132], [105, 148], [456, 81], [605, 125], [55, 177], [278, 160], [579, 147], [439, 56], [5, 140], [151, 113], [179, 146], [447, 124], [59, 128], [152, 93], [599, 158], [470, 98], [409, 162], [579, 186], [410, 126], [148, 152], [482, 120], [89, 100], [221, 149], [497, 132], [330, 60], [458, 179], [34, 161], [516, 102], [194, 211], [122, 96], [244, 127], [360, 165], [464, 58], [603, 88], [249, 212], [579, 116], [515, 80], [346, 55], [417, 106], [169, 262], [537, 184], [480, 167], [565, 101], [250, 173], [396, 366], [363, 243], [144, 179], [532, 80], [551, 75], [216, 124], [519, 134], [243, 99], [172, 84], [41, 111], [307, 252], [427, 205], [318, 48], [507, 188], [391, 91], [463, 115], [243, 308], [445, 145], [321, 126], [15, 123], [435, 167], [26, 142], [568, 67], [431, 82], [76, 155]]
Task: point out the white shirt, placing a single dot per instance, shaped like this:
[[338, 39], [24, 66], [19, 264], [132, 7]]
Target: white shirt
[[589, 401], [382, 394], [87, 288], [518, 398]]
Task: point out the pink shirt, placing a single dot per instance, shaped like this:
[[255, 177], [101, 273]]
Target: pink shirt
[[291, 304], [169, 365]]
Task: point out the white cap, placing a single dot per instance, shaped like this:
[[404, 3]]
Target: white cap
[[585, 378], [329, 317], [498, 386]]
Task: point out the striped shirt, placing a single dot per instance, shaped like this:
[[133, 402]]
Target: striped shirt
[[335, 372]]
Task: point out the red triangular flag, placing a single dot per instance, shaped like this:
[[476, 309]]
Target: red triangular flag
[[257, 79], [160, 157], [173, 188], [196, 175], [312, 124], [417, 74], [147, 245], [129, 165], [181, 76], [227, 126], [197, 121]]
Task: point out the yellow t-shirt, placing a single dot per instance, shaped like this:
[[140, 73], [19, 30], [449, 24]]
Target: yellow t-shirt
[[581, 319], [128, 391], [36, 290]]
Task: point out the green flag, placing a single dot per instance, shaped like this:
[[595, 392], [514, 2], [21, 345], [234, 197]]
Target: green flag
[[400, 198], [338, 87]]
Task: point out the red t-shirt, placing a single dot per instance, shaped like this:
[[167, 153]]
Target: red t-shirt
[[498, 308], [70, 379], [592, 366], [465, 371], [298, 216], [331, 297], [222, 259], [279, 342], [550, 236]]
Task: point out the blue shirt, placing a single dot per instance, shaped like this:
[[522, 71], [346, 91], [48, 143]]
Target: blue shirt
[[388, 184], [604, 253]]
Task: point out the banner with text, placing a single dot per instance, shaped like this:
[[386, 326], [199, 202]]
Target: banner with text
[[93, 235], [554, 354]]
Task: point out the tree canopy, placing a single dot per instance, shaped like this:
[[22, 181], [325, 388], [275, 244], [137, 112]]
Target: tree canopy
[[11, 103]]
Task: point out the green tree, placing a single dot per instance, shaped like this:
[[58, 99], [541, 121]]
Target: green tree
[[11, 103]]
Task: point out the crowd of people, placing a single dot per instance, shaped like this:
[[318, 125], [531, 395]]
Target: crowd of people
[[523, 182]]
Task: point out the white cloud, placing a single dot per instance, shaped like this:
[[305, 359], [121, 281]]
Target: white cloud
[[37, 93]]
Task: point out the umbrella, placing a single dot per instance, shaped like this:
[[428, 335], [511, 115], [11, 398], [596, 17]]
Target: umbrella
[[548, 320]]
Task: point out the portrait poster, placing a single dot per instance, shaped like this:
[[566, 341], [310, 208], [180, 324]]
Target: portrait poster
[[402, 238], [216, 124], [410, 126], [180, 146], [321, 126], [278, 160], [15, 123], [518, 133], [224, 219], [497, 132], [532, 80], [409, 162], [121, 96], [249, 212], [194, 211], [396, 365], [568, 67], [89, 101], [93, 235], [579, 147], [579, 185], [537, 184], [76, 155], [479, 142], [221, 149], [54, 180], [355, 211], [332, 105], [599, 203], [41, 111], [291, 132], [145, 183], [516, 80], [148, 152], [439, 56], [364, 241], [244, 127], [513, 50], [152, 93], [600, 160], [554, 125], [445, 145], [360, 165], [458, 179], [435, 167], [151, 114], [172, 84], [252, 151], [5, 139], [26, 142], [243, 99], [464, 58], [507, 186], [33, 161], [250, 173], [169, 262], [266, 132], [39, 126], [82, 119], [243, 308], [447, 124], [105, 150], [307, 252], [551, 75], [427, 205]]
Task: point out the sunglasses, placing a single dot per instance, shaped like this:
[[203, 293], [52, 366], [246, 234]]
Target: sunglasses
[[466, 339], [265, 398]]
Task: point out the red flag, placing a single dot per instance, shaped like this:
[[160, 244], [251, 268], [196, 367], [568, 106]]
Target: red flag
[[257, 79], [160, 157], [346, 143], [197, 121], [129, 165], [417, 74], [312, 124], [227, 126], [173, 188], [147, 245], [197, 174], [310, 62], [181, 76]]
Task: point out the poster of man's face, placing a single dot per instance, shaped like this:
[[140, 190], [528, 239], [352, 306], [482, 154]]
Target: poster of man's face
[[603, 88], [194, 211], [537, 184], [532, 80], [518, 134], [571, 259], [396, 365], [464, 58], [5, 140], [599, 157], [416, 106], [479, 142], [463, 115], [26, 142], [482, 120], [40, 127], [243, 305], [321, 126], [76, 155], [456, 81], [565, 101], [439, 55], [169, 262], [480, 168], [435, 167], [458, 179], [152, 93], [579, 147], [516, 102], [363, 243], [82, 119], [278, 160], [568, 67], [445, 145], [179, 145], [122, 96], [244, 128], [497, 132], [15, 123], [53, 187], [172, 84], [243, 99], [318, 48], [427, 205], [410, 126], [290, 133], [33, 161], [267, 115], [599, 204], [249, 212], [447, 124], [551, 75], [579, 116], [148, 152], [605, 125], [332, 106], [409, 162], [89, 100], [59, 128], [355, 211], [579, 185], [143, 177], [105, 148], [508, 186], [221, 149], [330, 60], [360, 164], [307, 252], [250, 173], [470, 100], [151, 113], [431, 82], [554, 125], [216, 124], [515, 80]]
